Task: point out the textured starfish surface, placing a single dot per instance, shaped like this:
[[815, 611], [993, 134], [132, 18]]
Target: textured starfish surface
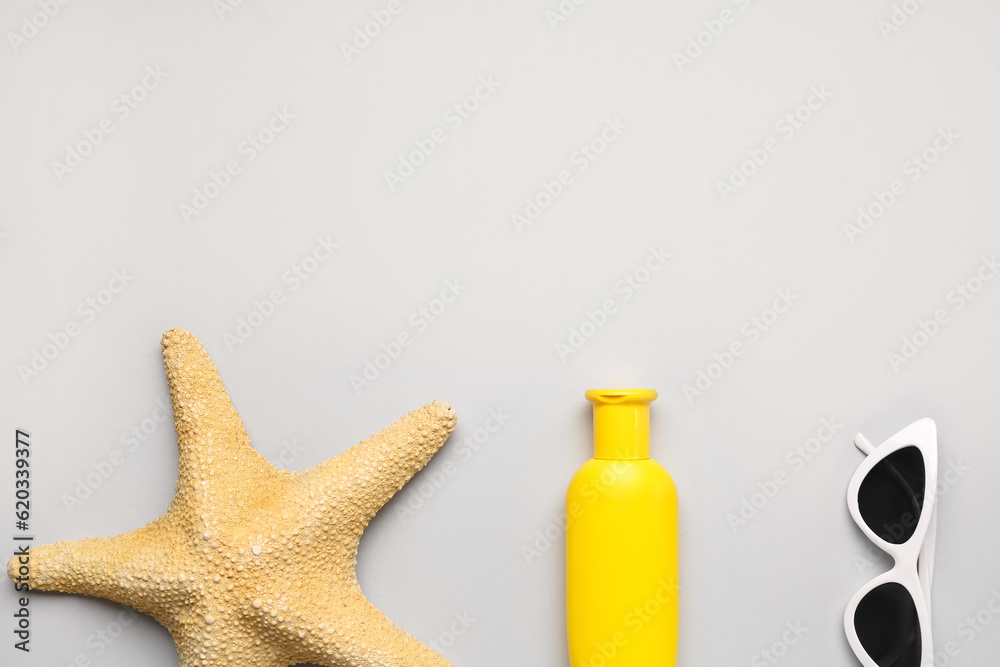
[[252, 565]]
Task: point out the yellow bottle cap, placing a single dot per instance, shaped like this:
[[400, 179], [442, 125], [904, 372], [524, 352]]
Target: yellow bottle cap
[[621, 422]]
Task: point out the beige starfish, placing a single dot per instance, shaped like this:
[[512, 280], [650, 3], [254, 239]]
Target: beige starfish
[[252, 566]]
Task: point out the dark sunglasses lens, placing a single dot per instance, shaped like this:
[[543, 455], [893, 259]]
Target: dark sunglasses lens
[[887, 625], [892, 495]]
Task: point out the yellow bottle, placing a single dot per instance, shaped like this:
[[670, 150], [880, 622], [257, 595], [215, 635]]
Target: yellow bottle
[[621, 543]]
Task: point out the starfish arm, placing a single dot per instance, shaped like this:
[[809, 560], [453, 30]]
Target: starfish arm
[[214, 449], [355, 632], [222, 643], [137, 568], [370, 473]]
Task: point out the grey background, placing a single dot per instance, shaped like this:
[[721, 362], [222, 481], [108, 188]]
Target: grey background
[[466, 550]]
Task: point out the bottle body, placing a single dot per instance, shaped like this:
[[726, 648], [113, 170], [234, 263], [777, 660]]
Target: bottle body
[[622, 543], [622, 565]]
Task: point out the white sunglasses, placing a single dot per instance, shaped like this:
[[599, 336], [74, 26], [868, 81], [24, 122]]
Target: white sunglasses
[[892, 499]]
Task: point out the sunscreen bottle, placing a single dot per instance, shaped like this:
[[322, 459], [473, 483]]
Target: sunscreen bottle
[[621, 543]]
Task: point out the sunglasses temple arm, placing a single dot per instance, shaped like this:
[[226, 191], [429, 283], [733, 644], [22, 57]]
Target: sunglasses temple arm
[[925, 562], [862, 443]]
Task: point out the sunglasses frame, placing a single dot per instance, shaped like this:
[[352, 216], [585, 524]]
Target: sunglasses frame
[[913, 560]]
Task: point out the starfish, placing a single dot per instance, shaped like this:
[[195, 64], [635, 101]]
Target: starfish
[[253, 566]]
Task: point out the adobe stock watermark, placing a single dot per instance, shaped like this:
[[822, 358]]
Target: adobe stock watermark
[[105, 468], [246, 152], [294, 277], [223, 8], [956, 299], [549, 190], [899, 16], [104, 637], [544, 538], [795, 459], [459, 626], [712, 30], [786, 127], [32, 24], [915, 167], [949, 475], [457, 114], [290, 453], [623, 289], [417, 495], [780, 647], [907, 521], [418, 322], [971, 627], [637, 619], [86, 312], [364, 34], [752, 330], [122, 107], [561, 12]]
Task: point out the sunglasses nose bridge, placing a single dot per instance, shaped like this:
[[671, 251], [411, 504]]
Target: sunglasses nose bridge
[[904, 567]]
